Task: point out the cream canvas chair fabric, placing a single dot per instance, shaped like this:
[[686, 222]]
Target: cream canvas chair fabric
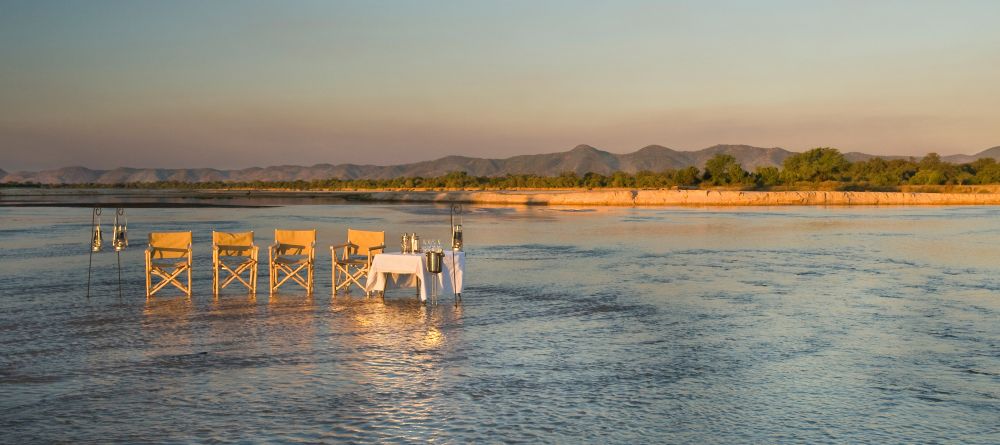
[[293, 253], [355, 261], [234, 253], [167, 257]]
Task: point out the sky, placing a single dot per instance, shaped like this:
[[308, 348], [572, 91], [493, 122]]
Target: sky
[[233, 84]]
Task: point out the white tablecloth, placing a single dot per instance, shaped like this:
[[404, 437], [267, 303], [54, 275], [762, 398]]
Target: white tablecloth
[[410, 270]]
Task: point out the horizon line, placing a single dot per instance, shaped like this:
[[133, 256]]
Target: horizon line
[[490, 158]]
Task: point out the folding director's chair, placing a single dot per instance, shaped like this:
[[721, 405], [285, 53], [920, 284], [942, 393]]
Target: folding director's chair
[[293, 253], [234, 253], [167, 257], [353, 265]]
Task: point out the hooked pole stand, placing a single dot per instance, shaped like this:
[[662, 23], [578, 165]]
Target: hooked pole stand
[[90, 265], [119, 273], [455, 208], [118, 250], [119, 240]]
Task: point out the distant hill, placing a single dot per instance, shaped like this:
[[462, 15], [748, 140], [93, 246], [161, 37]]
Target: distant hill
[[580, 160], [954, 159], [962, 159]]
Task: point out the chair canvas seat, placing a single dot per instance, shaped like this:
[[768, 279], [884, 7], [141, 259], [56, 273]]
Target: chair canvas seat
[[291, 259], [163, 264], [235, 251], [353, 259], [235, 260]]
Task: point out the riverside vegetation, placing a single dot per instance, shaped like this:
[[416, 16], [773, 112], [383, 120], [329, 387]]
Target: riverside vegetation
[[817, 169]]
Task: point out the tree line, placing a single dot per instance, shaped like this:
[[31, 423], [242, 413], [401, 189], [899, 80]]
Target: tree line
[[822, 167]]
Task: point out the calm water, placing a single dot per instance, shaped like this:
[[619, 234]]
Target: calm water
[[618, 325]]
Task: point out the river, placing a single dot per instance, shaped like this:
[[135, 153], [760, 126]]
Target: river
[[596, 325]]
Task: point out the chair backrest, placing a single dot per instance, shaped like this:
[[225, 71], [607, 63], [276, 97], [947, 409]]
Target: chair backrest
[[233, 243], [365, 239], [295, 242], [170, 244]]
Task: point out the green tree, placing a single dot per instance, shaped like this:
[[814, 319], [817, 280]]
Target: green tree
[[594, 180], [931, 170], [722, 169], [688, 176], [986, 171], [620, 179], [567, 179], [816, 165], [879, 172], [647, 179], [767, 176]]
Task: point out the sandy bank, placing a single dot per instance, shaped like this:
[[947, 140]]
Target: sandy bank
[[686, 198]]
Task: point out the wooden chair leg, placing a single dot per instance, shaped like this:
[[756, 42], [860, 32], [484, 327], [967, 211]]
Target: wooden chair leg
[[148, 272], [253, 278], [303, 275], [166, 279]]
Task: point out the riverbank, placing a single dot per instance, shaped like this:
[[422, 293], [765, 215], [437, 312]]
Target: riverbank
[[135, 198], [683, 198]]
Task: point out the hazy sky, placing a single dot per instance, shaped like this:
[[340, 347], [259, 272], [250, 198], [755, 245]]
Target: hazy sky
[[233, 84]]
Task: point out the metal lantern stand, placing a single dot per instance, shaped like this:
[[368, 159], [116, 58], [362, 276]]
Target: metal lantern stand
[[119, 240], [456, 246], [96, 241]]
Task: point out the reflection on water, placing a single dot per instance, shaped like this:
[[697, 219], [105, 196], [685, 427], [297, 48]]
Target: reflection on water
[[605, 325]]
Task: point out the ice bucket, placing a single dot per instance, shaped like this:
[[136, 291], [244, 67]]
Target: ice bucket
[[434, 261]]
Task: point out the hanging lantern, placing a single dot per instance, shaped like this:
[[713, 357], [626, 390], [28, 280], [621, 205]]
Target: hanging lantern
[[456, 237], [456, 229], [96, 239], [119, 238]]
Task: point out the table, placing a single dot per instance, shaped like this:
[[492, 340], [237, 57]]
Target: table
[[410, 270]]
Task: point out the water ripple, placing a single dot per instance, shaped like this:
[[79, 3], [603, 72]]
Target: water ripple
[[612, 326]]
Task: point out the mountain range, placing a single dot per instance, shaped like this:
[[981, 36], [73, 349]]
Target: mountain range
[[580, 160]]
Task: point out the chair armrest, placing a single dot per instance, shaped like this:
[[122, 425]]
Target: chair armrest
[[348, 247], [169, 249], [372, 251]]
